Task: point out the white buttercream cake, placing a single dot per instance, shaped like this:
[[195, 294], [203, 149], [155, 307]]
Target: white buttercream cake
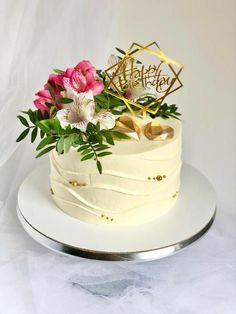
[[140, 180]]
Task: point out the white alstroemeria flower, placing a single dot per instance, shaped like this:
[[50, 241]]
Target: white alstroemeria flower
[[82, 111]]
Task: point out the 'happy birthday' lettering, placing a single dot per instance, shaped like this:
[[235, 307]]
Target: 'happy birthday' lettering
[[132, 76]]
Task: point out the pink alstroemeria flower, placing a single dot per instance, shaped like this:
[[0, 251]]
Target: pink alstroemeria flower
[[55, 80], [82, 79], [44, 96]]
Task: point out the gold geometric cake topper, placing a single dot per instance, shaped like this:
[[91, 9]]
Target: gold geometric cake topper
[[162, 77]]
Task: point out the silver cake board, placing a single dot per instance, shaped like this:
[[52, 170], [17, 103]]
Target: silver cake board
[[189, 219]]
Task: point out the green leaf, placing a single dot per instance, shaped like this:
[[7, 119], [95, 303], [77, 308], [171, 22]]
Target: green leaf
[[121, 51], [108, 137], [86, 151], [23, 121], [53, 110], [23, 135], [89, 156], [100, 147], [59, 87], [99, 166], [42, 134], [133, 51], [67, 143], [90, 128], [49, 104], [104, 154], [99, 138], [98, 126], [78, 139], [39, 115], [47, 125], [120, 135], [51, 91], [64, 100], [46, 141], [32, 115], [44, 127], [58, 71], [60, 145], [45, 151], [57, 126], [34, 134], [83, 147]]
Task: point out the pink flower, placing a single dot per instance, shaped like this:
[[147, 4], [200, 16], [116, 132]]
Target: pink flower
[[82, 79], [44, 96], [55, 80]]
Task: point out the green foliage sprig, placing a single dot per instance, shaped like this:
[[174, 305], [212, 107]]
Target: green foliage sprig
[[166, 111], [92, 144], [109, 102]]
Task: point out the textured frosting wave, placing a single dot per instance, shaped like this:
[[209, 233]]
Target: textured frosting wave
[[126, 192]]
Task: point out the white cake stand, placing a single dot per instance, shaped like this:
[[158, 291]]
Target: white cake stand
[[190, 219]]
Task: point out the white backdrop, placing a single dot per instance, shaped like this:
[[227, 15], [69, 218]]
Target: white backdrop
[[36, 36]]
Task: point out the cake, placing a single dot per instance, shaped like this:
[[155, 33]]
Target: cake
[[140, 180], [114, 145]]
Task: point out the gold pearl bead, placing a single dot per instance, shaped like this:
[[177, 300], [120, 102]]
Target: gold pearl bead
[[159, 178], [112, 219], [107, 218], [149, 178], [102, 215]]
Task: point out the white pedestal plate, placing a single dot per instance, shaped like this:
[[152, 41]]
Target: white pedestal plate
[[190, 219]]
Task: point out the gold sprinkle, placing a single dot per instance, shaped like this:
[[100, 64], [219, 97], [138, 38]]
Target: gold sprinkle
[[51, 190], [159, 178], [175, 194], [76, 183], [149, 178], [164, 176], [154, 178], [107, 218], [102, 215], [112, 219]]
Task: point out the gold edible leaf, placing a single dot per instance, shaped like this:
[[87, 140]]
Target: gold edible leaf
[[127, 125], [156, 132]]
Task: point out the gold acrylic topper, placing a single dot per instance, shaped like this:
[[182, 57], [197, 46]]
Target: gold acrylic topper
[[163, 77]]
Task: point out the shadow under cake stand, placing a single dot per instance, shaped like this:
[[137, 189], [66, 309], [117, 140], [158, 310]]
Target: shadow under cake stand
[[189, 219]]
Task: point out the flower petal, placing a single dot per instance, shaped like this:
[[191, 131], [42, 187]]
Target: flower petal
[[40, 104], [107, 119], [78, 81], [85, 66], [95, 86], [62, 116]]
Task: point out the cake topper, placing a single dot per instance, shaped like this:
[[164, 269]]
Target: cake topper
[[160, 78]]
